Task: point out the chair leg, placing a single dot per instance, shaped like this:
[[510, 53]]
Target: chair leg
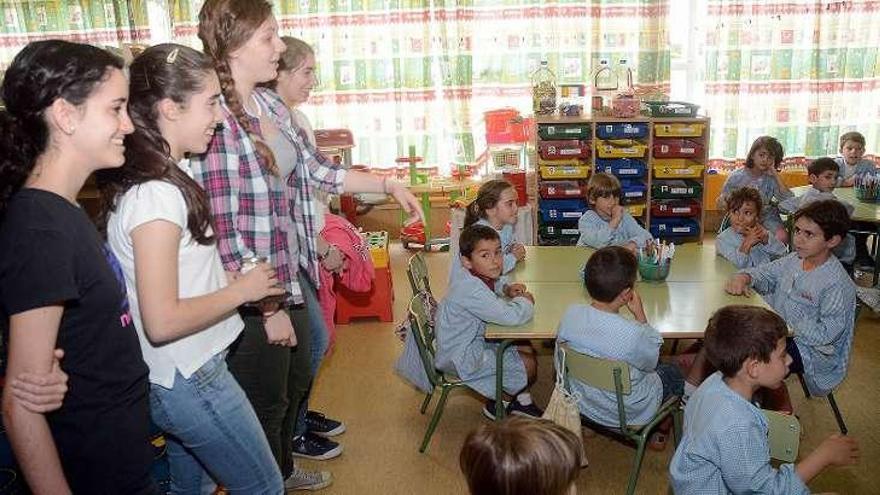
[[677, 431], [435, 418], [837, 415], [426, 402], [804, 385], [637, 465]]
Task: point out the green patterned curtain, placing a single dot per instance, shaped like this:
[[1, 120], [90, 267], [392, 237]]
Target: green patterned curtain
[[401, 72], [802, 71], [99, 22]]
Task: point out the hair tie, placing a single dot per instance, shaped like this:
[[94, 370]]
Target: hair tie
[[172, 56]]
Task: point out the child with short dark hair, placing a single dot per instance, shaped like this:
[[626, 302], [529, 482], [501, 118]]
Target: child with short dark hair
[[852, 160], [725, 447], [761, 172], [599, 330], [607, 223], [746, 242], [811, 290], [476, 297], [520, 456]]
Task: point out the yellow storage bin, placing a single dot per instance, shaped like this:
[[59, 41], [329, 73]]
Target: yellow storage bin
[[570, 162], [620, 148], [679, 129], [688, 170], [636, 210], [565, 171], [378, 243]]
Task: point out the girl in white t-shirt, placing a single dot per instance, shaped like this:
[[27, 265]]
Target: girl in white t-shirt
[[184, 308]]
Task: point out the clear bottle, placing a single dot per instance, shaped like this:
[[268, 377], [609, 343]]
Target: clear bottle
[[605, 85], [624, 76], [544, 90]]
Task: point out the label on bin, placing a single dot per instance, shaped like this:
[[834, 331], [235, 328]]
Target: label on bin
[[633, 194], [681, 209], [681, 230], [628, 171], [570, 151], [689, 151], [571, 214]]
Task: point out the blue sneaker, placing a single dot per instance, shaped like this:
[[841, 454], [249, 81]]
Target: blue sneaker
[[529, 411], [323, 426], [316, 448]]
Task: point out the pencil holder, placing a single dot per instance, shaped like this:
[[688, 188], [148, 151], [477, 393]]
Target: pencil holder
[[653, 272], [866, 193]]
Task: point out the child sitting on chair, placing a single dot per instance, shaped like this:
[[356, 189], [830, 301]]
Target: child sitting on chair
[[607, 223], [746, 243], [479, 296], [811, 290], [852, 159], [597, 329], [520, 456], [823, 175], [725, 447]]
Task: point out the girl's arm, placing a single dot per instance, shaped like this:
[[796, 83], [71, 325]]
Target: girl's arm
[[32, 336], [165, 315]]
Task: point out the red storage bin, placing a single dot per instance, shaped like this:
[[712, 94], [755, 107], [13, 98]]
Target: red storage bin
[[677, 148], [506, 126], [518, 179], [564, 150], [676, 208], [562, 189], [375, 303]]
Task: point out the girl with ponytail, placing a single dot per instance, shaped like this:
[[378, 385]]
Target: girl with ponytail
[[159, 226]]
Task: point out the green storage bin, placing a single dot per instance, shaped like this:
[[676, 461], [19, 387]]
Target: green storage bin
[[676, 189], [564, 131]]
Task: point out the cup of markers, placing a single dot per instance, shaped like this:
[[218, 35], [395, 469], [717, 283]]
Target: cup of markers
[[655, 258], [867, 187]]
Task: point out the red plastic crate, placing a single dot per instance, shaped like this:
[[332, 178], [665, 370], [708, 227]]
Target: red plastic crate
[[677, 148], [564, 150], [562, 189], [676, 208], [374, 303]]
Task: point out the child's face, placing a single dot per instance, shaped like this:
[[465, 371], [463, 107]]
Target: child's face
[[825, 182], [772, 373], [744, 217], [604, 206], [852, 152], [486, 259], [809, 240], [763, 161], [504, 211]]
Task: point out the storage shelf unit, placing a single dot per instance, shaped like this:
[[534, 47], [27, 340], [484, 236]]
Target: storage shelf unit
[[660, 162]]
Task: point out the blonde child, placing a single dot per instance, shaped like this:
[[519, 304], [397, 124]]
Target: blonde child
[[477, 297], [761, 173], [725, 447], [746, 242], [495, 206], [520, 456], [607, 223]]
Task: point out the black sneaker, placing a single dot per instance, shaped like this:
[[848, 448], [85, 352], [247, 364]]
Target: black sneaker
[[323, 426], [317, 448], [489, 409], [529, 411]]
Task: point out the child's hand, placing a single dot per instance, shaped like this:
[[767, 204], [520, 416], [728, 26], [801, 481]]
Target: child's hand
[[518, 251], [738, 285], [617, 214], [839, 450], [514, 290], [529, 296], [634, 305], [762, 234]]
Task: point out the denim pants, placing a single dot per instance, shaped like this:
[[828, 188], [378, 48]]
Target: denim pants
[[210, 426], [320, 341], [275, 379]]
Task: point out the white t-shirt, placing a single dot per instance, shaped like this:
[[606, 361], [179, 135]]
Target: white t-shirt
[[199, 273]]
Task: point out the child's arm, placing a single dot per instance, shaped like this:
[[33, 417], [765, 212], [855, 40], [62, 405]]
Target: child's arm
[[775, 247], [745, 467], [836, 315], [595, 232], [633, 232], [763, 278], [490, 308], [782, 191], [730, 246], [836, 450]]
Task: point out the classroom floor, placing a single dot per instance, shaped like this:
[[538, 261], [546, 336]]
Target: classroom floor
[[358, 385]]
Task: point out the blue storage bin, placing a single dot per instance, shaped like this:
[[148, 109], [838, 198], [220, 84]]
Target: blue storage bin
[[622, 130], [561, 210], [633, 191], [622, 168], [674, 227]]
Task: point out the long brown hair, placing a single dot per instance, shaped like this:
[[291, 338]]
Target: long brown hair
[[487, 197], [175, 72], [225, 26]]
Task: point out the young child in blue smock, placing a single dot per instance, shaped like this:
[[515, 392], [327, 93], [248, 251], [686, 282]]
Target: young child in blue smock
[[725, 448], [607, 223], [811, 290], [852, 162], [495, 206], [477, 297], [597, 329], [760, 172], [746, 243], [823, 176]]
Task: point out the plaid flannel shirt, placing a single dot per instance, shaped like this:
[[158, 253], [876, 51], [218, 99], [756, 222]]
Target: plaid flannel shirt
[[251, 208]]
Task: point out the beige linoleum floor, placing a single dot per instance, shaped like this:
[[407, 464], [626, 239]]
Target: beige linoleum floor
[[357, 384]]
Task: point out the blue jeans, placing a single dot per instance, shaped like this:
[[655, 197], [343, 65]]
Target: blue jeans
[[320, 341], [210, 426], [672, 380]]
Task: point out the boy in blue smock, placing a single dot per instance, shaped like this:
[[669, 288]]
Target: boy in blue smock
[[477, 297], [725, 448], [597, 329], [746, 243], [852, 162], [607, 223], [811, 290]]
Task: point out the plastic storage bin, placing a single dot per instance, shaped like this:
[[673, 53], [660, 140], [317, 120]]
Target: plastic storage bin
[[622, 130], [620, 148], [679, 129], [561, 210], [672, 108], [567, 171], [632, 191], [677, 168], [676, 208], [564, 131], [561, 150], [562, 189], [565, 234], [622, 168], [636, 211], [676, 189], [674, 227], [677, 148]]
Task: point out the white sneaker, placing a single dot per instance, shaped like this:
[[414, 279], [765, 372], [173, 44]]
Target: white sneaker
[[301, 479]]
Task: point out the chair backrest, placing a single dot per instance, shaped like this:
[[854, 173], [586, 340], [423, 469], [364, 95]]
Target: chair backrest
[[417, 272], [784, 435], [423, 331], [725, 222], [604, 374]]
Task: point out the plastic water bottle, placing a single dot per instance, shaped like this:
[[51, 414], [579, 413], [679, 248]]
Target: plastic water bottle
[[544, 90]]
